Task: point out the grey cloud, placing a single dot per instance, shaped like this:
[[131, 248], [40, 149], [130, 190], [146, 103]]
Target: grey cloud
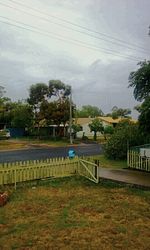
[[126, 20], [107, 86], [24, 61], [20, 67]]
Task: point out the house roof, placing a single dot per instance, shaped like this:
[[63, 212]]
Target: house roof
[[83, 121], [117, 120], [106, 119], [109, 119]]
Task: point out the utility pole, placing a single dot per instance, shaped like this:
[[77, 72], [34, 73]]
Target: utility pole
[[70, 118]]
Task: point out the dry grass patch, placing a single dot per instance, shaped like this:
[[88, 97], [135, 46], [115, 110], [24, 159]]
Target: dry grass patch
[[14, 144], [73, 213]]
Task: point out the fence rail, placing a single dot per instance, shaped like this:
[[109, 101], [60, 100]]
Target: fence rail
[[21, 171], [136, 161], [50, 161], [11, 173], [88, 169]]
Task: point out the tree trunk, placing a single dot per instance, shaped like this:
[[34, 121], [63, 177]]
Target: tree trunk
[[95, 135], [64, 130], [38, 131], [54, 134]]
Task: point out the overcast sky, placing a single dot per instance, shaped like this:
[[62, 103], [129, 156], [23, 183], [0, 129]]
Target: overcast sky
[[92, 45]]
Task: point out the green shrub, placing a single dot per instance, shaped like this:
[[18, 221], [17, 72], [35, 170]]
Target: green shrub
[[108, 130], [125, 134]]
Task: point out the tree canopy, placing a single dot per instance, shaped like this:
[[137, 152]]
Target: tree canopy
[[37, 93], [47, 104], [125, 134], [51, 102], [120, 112], [22, 116], [144, 117], [5, 107], [96, 126], [140, 80], [89, 111], [59, 89], [108, 130]]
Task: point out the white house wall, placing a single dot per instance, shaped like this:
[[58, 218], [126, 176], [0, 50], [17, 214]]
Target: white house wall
[[86, 131]]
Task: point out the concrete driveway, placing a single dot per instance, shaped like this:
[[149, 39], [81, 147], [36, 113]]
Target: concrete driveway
[[134, 177]]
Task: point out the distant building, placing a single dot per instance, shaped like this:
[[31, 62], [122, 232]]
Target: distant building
[[106, 121]]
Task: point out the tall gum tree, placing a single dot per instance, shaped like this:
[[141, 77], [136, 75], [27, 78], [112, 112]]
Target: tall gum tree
[[50, 102], [140, 80]]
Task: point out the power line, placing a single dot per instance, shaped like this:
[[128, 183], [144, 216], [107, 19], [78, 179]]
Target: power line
[[74, 41], [66, 27], [82, 27]]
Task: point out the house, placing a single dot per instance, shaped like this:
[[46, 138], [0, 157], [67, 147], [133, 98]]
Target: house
[[109, 121], [85, 130], [106, 121]]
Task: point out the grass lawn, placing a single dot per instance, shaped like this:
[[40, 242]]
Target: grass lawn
[[107, 163], [12, 144], [74, 213]]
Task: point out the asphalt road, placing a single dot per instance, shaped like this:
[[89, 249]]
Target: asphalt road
[[43, 153]]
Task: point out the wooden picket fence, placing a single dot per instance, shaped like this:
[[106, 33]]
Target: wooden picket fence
[[136, 161], [15, 172], [88, 169]]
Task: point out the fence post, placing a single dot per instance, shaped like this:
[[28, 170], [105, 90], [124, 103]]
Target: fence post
[[15, 180], [96, 169], [128, 158]]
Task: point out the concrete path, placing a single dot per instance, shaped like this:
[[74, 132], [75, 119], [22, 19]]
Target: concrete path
[[134, 177]]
